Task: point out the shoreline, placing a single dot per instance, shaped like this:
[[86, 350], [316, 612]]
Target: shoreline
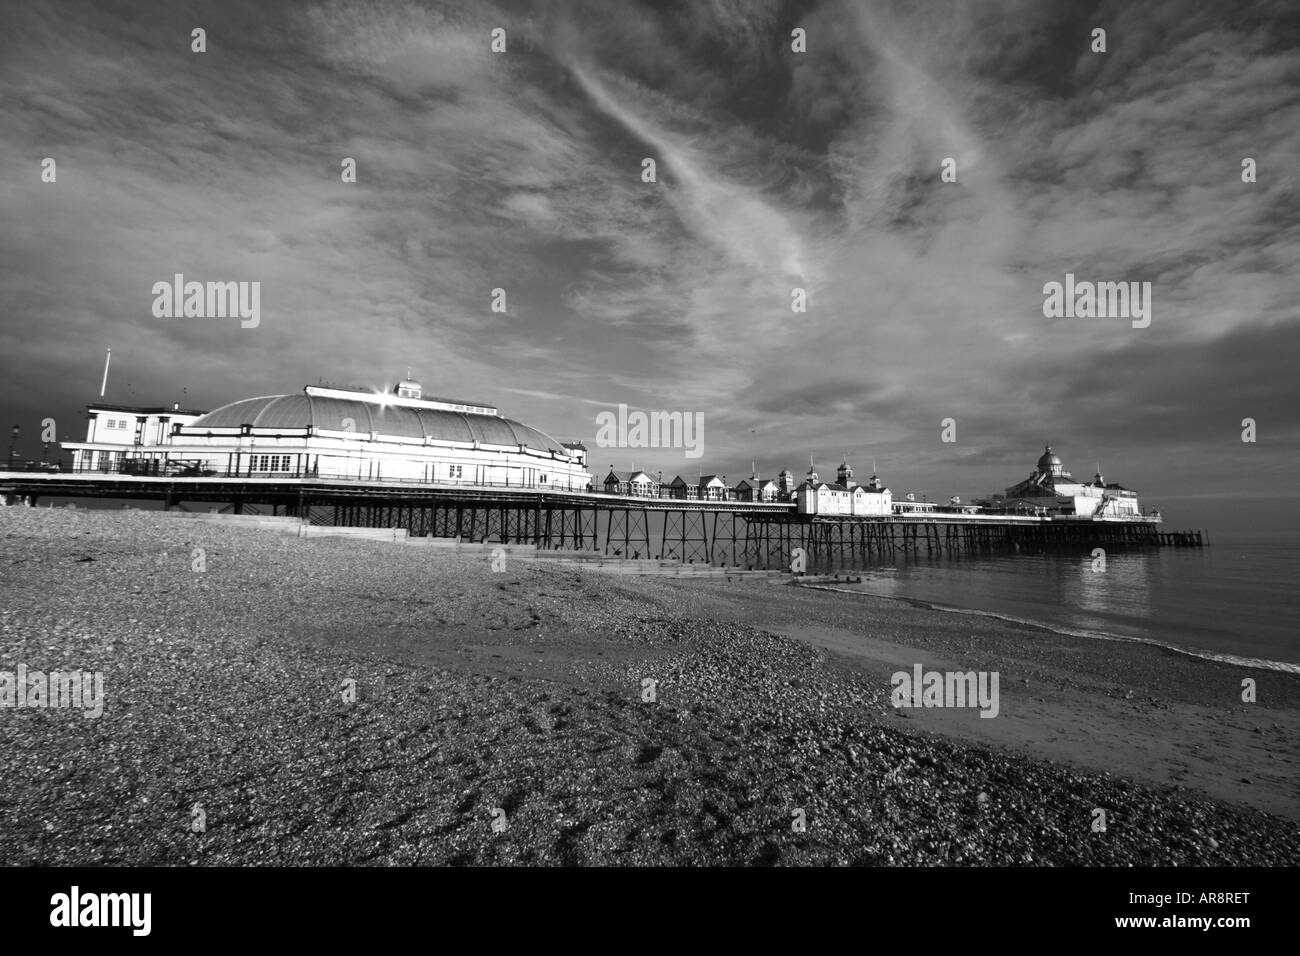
[[523, 691], [1136, 709], [1257, 663]]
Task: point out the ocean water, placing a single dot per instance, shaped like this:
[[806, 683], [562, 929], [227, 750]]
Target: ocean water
[[1233, 600]]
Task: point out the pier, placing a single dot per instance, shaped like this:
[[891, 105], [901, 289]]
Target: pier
[[733, 533]]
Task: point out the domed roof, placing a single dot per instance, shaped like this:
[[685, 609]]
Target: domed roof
[[296, 412], [1049, 460]]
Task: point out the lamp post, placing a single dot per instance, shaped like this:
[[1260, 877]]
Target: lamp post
[[13, 441]]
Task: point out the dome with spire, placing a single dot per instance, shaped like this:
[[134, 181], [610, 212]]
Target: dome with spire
[[1050, 463]]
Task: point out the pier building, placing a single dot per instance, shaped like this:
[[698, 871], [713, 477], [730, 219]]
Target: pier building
[[638, 484], [754, 488], [844, 496], [131, 437], [1051, 490], [713, 488], [335, 432]]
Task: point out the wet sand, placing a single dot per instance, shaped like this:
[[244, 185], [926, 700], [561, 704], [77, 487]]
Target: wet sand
[[1135, 711]]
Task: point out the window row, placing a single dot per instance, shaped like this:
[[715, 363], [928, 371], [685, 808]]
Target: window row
[[271, 463]]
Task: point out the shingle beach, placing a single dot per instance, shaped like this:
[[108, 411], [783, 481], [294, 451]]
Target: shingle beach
[[500, 717]]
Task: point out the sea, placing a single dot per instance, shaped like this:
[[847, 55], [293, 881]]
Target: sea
[[1235, 600]]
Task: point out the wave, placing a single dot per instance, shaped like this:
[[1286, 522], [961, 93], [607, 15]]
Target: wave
[[1233, 659]]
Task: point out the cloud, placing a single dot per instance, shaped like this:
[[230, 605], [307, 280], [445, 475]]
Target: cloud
[[521, 171]]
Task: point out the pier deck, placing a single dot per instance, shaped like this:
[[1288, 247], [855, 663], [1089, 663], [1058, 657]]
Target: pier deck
[[736, 533]]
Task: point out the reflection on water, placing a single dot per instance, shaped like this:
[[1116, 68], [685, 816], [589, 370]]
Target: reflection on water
[[1232, 598], [1121, 588]]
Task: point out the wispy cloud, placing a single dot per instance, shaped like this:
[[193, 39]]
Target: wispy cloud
[[521, 171]]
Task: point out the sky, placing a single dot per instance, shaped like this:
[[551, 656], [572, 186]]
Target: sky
[[775, 169]]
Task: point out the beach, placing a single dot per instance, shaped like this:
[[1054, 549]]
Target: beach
[[330, 701]]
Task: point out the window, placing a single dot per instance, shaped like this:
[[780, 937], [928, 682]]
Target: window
[[270, 463], [454, 471]]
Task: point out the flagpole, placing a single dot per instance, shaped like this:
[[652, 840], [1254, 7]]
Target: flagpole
[[104, 385]]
